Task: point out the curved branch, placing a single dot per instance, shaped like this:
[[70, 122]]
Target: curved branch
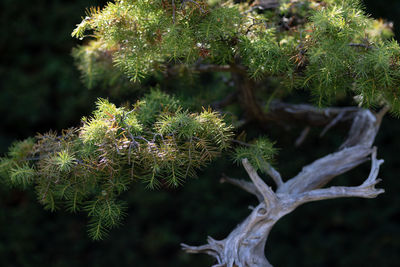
[[244, 246], [304, 114], [365, 190], [353, 152], [213, 248], [266, 191], [274, 174], [246, 186], [323, 170]]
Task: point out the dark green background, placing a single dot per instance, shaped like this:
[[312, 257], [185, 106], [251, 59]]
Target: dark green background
[[40, 90]]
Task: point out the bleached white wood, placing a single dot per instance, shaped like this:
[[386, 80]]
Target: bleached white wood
[[244, 246]]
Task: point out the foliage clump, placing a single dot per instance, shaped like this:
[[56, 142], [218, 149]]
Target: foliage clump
[[87, 168], [260, 153], [332, 47]]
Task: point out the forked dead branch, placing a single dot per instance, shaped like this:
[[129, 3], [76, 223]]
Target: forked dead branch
[[245, 245]]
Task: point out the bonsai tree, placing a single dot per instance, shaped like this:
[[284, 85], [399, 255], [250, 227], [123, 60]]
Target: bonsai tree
[[268, 55]]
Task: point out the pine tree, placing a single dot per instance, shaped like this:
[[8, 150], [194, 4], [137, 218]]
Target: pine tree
[[268, 52]]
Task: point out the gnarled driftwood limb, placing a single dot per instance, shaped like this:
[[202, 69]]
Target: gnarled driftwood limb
[[244, 246]]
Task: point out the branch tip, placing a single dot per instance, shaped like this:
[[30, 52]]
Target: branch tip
[[269, 196]]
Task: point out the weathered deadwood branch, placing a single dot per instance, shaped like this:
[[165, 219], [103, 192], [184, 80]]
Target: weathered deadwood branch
[[323, 170], [353, 152], [213, 248], [284, 113], [302, 136], [274, 174], [266, 191], [303, 114], [244, 246], [246, 186], [365, 190], [333, 122]]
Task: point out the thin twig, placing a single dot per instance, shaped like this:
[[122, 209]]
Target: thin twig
[[274, 174], [332, 123], [302, 137], [246, 186]]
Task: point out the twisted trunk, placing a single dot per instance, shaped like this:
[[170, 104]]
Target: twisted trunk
[[244, 246]]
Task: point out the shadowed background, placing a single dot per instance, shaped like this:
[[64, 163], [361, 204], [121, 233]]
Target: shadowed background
[[40, 90]]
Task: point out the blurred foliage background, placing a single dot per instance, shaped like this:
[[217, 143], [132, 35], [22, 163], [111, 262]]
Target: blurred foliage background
[[40, 90]]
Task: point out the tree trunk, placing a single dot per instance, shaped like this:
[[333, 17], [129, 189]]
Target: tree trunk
[[244, 246]]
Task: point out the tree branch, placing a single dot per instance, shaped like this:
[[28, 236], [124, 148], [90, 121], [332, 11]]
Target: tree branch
[[302, 137], [352, 153], [248, 100], [245, 245], [213, 248], [307, 114], [274, 174], [266, 191], [332, 123], [366, 189], [246, 186], [323, 170]]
